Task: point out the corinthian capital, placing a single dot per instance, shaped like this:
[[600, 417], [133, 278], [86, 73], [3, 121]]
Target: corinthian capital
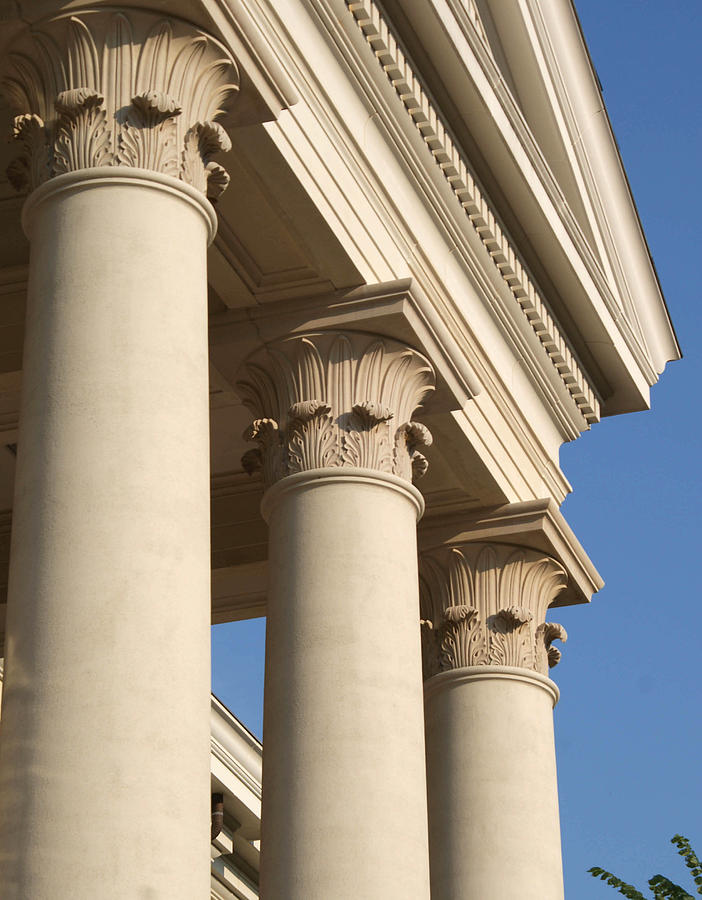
[[485, 604], [119, 88], [333, 399]]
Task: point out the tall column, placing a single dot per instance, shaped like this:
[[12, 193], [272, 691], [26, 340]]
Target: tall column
[[104, 752], [344, 788], [491, 766]]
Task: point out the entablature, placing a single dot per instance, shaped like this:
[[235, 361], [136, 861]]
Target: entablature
[[423, 219]]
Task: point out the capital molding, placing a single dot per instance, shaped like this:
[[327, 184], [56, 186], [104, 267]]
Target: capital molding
[[398, 311], [119, 87], [484, 604], [332, 399], [536, 524]]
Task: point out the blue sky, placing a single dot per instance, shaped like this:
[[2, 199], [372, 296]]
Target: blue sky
[[628, 728]]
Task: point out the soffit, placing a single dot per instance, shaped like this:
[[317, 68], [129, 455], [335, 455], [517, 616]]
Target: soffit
[[272, 242]]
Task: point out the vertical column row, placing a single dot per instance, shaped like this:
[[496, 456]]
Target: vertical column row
[[344, 771]]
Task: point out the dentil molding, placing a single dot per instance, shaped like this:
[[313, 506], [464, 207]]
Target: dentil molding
[[480, 211], [335, 399], [485, 604], [119, 88]]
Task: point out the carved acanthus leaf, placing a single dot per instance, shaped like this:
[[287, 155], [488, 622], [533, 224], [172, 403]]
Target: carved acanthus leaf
[[372, 413], [512, 640], [313, 441], [365, 382], [270, 455], [149, 138], [463, 640], [488, 603], [409, 462], [306, 410], [547, 656], [112, 88], [366, 443], [252, 461], [202, 142], [83, 140], [31, 168]]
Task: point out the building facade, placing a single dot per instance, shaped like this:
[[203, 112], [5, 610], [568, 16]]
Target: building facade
[[300, 301]]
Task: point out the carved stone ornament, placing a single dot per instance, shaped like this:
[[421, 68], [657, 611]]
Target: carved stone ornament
[[110, 88], [485, 604], [328, 400]]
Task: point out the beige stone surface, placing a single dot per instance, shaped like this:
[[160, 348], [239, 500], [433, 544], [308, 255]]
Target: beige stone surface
[[344, 796], [107, 647], [493, 798]]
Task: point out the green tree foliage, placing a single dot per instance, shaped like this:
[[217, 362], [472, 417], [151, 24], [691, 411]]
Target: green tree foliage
[[663, 888]]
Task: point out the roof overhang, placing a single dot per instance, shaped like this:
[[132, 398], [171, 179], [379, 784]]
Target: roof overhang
[[594, 268]]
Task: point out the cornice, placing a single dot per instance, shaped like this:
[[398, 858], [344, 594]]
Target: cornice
[[476, 206], [329, 139], [618, 361], [580, 95], [235, 746], [556, 195]]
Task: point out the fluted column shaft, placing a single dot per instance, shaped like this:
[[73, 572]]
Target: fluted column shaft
[[491, 766], [344, 790], [104, 749]]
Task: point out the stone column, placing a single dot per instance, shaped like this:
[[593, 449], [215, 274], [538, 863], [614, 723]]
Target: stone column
[[104, 754], [491, 765], [344, 788]]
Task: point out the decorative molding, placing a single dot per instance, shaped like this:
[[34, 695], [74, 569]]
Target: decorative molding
[[477, 208], [477, 22], [335, 399], [485, 604], [132, 88], [536, 524]]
